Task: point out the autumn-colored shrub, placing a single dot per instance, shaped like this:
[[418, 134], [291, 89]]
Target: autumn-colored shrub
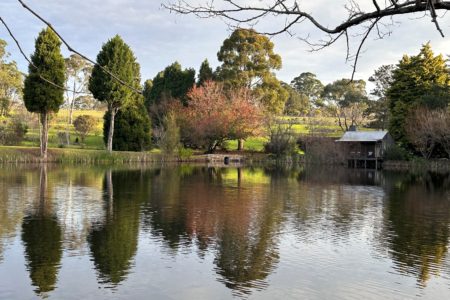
[[214, 115]]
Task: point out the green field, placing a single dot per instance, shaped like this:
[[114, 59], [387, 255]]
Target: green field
[[58, 124], [94, 141]]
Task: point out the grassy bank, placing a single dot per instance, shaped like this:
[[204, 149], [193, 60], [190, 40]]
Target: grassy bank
[[76, 156], [94, 140], [14, 154]]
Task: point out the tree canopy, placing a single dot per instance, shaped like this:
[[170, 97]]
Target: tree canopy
[[43, 88], [248, 60], [378, 107], [47, 62], [171, 83], [10, 80], [118, 58], [215, 114], [414, 79], [132, 130], [307, 84], [205, 73], [346, 100]]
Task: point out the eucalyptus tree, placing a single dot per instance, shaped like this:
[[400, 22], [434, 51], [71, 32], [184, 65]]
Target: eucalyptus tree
[[248, 60], [11, 80]]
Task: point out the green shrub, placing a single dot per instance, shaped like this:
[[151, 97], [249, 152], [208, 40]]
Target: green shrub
[[83, 125], [282, 140], [131, 130], [396, 152], [169, 141], [12, 131], [185, 153]]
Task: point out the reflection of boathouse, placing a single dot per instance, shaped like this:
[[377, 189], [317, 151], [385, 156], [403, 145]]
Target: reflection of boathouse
[[365, 149]]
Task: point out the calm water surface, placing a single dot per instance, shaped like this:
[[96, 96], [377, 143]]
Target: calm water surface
[[188, 232]]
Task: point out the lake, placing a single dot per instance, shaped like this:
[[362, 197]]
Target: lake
[[197, 232]]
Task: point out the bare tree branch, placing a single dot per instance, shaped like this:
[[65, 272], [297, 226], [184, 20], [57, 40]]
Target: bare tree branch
[[29, 60], [361, 45], [280, 8], [76, 52], [243, 14]]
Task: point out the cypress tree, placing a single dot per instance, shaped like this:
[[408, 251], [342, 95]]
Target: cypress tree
[[117, 57], [39, 95], [415, 78], [205, 73]]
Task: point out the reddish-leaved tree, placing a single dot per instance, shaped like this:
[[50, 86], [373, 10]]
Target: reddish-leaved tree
[[215, 115]]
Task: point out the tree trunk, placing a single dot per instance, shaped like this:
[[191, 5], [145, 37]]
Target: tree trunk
[[44, 135], [240, 145], [42, 187], [110, 191], [111, 130]]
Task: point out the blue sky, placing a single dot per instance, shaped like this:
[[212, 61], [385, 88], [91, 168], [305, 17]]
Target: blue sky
[[159, 38]]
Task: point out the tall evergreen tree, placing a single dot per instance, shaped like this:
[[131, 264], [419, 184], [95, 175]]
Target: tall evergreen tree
[[379, 108], [173, 82], [118, 58], [206, 73], [415, 78], [39, 95]]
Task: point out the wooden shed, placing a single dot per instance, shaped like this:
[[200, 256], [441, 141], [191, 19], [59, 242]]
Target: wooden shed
[[365, 149]]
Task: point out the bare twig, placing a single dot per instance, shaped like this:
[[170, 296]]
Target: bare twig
[[29, 60], [242, 14], [76, 52]]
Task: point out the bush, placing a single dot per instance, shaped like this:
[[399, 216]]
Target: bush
[[282, 140], [83, 125], [397, 153], [185, 153], [12, 131], [131, 130], [169, 135]]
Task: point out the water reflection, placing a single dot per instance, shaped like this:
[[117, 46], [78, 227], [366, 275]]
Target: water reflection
[[41, 236], [113, 242], [417, 224], [251, 230]]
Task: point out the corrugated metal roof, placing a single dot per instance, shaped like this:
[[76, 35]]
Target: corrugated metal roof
[[363, 136]]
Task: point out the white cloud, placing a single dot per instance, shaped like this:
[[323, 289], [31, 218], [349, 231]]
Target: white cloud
[[159, 38]]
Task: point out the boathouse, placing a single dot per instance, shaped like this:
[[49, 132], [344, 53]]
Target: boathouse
[[365, 149]]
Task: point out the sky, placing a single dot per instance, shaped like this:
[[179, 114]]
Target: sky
[[158, 37]]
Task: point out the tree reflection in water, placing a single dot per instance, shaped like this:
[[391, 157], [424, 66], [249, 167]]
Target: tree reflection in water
[[41, 235], [220, 211], [417, 224], [113, 243], [237, 220]]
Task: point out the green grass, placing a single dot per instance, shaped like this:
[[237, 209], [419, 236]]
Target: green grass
[[77, 156], [58, 123], [94, 141], [251, 144]]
